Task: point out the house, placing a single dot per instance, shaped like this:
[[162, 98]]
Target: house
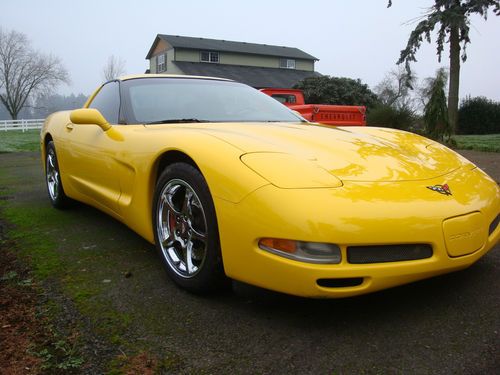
[[257, 65]]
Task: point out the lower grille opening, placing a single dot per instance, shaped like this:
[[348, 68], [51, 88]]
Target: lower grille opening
[[340, 283], [494, 225], [387, 253]]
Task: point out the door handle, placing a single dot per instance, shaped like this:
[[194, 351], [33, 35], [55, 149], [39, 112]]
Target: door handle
[[69, 126]]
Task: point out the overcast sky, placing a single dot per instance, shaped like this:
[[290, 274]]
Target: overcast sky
[[356, 39]]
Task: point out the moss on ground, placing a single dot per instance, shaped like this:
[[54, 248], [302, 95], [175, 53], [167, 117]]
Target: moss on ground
[[50, 241], [16, 140]]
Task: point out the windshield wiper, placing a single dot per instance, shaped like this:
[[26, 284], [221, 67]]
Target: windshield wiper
[[176, 121]]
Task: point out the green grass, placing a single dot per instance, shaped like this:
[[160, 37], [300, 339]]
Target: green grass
[[487, 142], [16, 141]]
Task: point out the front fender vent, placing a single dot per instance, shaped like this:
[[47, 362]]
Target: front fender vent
[[494, 225], [387, 253]]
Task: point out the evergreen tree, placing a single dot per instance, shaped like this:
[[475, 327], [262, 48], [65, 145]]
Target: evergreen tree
[[436, 119], [452, 18]]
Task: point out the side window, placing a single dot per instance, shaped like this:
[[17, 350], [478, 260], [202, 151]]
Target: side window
[[285, 98], [107, 101]]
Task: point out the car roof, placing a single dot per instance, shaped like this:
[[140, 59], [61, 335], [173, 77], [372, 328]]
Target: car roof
[[136, 76], [148, 75]]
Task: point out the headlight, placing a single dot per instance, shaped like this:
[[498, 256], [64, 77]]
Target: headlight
[[289, 171], [310, 252]]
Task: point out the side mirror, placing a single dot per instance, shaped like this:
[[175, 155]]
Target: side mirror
[[84, 116]]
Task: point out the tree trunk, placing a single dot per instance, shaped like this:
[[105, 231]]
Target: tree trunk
[[454, 78]]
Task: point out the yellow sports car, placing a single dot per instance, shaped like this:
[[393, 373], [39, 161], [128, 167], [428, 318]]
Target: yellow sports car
[[229, 183]]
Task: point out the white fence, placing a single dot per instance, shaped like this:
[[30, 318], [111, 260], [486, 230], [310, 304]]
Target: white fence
[[21, 124]]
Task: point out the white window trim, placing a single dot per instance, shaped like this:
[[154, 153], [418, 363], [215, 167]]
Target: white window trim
[[288, 63], [161, 66], [210, 54]]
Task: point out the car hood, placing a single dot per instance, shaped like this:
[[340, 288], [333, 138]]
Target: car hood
[[350, 154]]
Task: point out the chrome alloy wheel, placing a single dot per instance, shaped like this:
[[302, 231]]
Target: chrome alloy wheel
[[52, 175], [181, 228]]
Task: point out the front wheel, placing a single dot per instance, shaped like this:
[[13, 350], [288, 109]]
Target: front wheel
[[185, 229], [57, 197]]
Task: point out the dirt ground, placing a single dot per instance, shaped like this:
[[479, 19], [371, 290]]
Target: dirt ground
[[109, 283], [18, 324], [487, 161]]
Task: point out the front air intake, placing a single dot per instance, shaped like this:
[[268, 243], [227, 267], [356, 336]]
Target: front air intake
[[344, 282], [387, 253]]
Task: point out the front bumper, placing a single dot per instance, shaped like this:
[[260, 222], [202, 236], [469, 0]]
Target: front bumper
[[358, 214]]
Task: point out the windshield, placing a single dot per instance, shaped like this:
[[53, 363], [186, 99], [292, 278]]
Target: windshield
[[170, 100]]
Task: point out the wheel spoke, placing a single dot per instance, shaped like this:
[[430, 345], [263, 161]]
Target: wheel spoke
[[197, 235], [168, 243], [191, 268], [173, 255], [167, 198], [164, 233], [186, 206], [51, 161], [170, 204], [55, 187]]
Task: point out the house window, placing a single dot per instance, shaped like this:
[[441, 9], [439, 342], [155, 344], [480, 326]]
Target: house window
[[160, 63], [211, 57], [287, 63]]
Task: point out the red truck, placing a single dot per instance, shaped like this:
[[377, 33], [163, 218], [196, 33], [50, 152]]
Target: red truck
[[340, 115]]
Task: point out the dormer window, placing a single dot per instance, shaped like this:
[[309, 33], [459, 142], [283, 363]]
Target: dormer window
[[160, 63], [287, 63], [210, 57]]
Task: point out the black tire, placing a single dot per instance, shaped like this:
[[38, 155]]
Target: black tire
[[185, 230], [55, 189]]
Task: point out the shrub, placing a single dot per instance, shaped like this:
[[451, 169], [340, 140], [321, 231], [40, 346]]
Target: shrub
[[390, 117], [478, 115], [337, 90]]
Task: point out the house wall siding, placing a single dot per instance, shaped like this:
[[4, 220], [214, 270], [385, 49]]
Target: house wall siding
[[187, 55], [242, 59], [171, 68], [152, 64], [304, 65], [169, 57], [249, 60]]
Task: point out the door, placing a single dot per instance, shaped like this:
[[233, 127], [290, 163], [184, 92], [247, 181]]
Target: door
[[92, 153]]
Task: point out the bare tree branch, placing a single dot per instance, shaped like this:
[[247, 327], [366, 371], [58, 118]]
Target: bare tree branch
[[114, 68], [25, 72], [395, 90]]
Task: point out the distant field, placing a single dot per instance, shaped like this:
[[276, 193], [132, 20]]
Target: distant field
[[487, 142], [16, 140]]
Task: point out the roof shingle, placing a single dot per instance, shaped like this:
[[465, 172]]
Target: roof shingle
[[253, 76], [187, 42]]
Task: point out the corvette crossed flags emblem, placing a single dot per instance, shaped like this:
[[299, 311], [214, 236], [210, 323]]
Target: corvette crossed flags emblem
[[441, 189]]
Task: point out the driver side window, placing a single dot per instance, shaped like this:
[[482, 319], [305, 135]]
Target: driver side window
[[107, 101]]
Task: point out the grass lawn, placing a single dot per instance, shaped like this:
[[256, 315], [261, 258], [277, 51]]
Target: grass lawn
[[16, 140], [486, 142]]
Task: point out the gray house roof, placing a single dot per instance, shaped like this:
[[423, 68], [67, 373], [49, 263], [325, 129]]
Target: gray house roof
[[186, 42], [253, 76]]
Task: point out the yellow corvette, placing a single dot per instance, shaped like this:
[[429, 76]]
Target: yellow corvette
[[229, 183]]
